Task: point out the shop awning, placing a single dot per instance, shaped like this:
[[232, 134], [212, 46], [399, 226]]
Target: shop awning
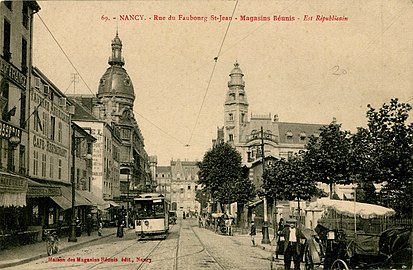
[[95, 200], [36, 189], [66, 201], [62, 201], [112, 204], [13, 189]]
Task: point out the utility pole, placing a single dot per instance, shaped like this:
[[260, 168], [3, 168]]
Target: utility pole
[[265, 237], [75, 79]]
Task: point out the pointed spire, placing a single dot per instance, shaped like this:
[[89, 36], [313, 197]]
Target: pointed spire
[[116, 58]]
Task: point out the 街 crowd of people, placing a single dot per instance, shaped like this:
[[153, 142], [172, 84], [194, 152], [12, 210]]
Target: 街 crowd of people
[[220, 223]]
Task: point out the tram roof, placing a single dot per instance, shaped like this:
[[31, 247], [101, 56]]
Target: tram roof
[[149, 196]]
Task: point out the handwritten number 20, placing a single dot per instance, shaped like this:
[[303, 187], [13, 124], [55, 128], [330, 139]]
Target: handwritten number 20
[[338, 71]]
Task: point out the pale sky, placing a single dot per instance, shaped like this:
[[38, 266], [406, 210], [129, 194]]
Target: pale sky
[[304, 71]]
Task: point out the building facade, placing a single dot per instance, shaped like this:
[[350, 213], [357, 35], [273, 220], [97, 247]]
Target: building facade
[[178, 183], [251, 133], [113, 107], [105, 180], [16, 21], [281, 139]]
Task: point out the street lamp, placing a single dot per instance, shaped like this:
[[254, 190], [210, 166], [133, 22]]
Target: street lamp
[[72, 236], [265, 237], [88, 156]]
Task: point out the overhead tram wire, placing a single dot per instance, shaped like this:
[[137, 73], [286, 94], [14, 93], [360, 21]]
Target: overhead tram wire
[[65, 54], [74, 67], [212, 74], [163, 131], [40, 103]]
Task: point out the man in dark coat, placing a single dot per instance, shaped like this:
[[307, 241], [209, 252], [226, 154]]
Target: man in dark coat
[[253, 232], [89, 224], [292, 237]]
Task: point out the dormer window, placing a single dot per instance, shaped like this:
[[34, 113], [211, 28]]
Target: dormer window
[[303, 136], [289, 135]]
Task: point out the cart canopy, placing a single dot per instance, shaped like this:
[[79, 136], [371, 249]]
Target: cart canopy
[[350, 208]]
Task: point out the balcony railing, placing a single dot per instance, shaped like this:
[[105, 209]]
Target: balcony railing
[[257, 136]]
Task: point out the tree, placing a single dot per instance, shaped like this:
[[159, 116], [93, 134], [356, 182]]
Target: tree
[[392, 153], [289, 180], [202, 197], [327, 156], [223, 177]]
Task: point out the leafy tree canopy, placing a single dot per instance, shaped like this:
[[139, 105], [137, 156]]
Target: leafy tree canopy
[[289, 180], [327, 156], [391, 153], [223, 177]]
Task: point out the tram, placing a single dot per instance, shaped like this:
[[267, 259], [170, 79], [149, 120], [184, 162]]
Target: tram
[[152, 216]]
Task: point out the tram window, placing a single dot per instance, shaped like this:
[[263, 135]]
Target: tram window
[[147, 210]]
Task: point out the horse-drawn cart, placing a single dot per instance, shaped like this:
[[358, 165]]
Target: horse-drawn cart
[[340, 249]]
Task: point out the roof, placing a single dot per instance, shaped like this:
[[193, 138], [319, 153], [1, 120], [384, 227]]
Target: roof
[[116, 82], [351, 208], [297, 130], [81, 112]]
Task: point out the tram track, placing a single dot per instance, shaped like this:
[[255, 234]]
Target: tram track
[[113, 256], [177, 248], [218, 262], [144, 259]]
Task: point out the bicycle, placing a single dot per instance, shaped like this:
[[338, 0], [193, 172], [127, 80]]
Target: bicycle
[[52, 242]]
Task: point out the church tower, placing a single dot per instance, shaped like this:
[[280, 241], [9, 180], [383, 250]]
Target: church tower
[[236, 107], [116, 93]]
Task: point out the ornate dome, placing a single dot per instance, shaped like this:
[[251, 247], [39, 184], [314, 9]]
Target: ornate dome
[[236, 69], [236, 77], [116, 81]]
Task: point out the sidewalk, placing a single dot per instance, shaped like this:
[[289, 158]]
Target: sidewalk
[[22, 254], [245, 239]]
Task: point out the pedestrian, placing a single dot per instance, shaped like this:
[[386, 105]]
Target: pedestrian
[[280, 242], [120, 228], [78, 227], [292, 237], [100, 223], [89, 224], [253, 233]]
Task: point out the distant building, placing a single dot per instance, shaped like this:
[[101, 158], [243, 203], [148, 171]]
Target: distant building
[[281, 139], [178, 182], [248, 132]]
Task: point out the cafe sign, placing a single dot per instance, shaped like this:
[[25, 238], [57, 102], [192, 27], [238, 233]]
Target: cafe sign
[[7, 131], [10, 71], [12, 183], [43, 191]]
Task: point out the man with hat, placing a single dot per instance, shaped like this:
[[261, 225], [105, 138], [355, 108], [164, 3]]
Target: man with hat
[[291, 244]]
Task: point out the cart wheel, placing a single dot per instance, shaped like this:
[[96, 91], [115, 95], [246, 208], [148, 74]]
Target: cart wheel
[[49, 249], [309, 265], [339, 265]]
